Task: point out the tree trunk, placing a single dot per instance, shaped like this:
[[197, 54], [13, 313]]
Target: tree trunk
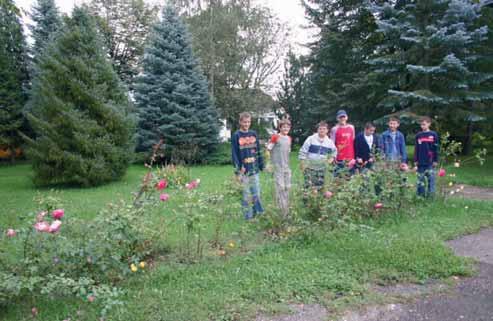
[[467, 150]]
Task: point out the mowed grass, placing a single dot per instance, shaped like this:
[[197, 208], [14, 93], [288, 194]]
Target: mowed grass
[[329, 267]]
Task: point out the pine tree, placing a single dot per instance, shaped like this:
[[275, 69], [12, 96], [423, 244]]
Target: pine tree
[[80, 111], [294, 97], [47, 21], [13, 77], [429, 54], [338, 58], [171, 95]]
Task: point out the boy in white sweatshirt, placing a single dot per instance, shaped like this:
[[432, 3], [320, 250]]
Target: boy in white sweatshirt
[[315, 154]]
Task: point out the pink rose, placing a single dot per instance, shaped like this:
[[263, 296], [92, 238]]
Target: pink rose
[[378, 206], [11, 232], [162, 184], [55, 226], [164, 197], [91, 298], [41, 216], [192, 185], [441, 172], [351, 163], [34, 312], [404, 167], [328, 194], [42, 226], [58, 214]]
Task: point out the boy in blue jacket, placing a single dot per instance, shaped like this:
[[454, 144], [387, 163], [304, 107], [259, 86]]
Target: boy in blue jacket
[[394, 145], [248, 162], [426, 150]]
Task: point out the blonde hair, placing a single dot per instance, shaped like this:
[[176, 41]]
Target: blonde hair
[[245, 115]]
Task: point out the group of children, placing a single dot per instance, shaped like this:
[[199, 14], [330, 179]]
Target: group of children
[[350, 153]]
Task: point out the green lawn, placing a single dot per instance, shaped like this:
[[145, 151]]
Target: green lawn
[[333, 268]]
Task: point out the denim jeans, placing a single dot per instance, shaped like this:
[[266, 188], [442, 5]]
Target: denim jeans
[[426, 181], [250, 203]]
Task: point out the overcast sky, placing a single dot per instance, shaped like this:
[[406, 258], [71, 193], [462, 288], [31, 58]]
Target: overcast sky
[[290, 12]]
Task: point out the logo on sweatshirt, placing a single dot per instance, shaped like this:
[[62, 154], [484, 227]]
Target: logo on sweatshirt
[[429, 139]]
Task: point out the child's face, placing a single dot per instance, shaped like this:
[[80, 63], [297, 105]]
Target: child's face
[[425, 126], [285, 129], [393, 125], [245, 123], [342, 120], [369, 131], [322, 131]]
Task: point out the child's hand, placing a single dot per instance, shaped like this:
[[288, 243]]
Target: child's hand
[[435, 164]]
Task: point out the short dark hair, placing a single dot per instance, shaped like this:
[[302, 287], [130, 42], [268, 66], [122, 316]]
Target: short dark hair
[[370, 125], [393, 118], [284, 122], [426, 119], [323, 124]]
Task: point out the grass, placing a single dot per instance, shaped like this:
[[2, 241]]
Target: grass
[[472, 173], [331, 268]]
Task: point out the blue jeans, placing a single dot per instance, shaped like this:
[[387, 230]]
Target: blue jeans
[[426, 181], [250, 203]]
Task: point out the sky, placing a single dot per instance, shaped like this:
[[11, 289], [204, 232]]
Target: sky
[[290, 12]]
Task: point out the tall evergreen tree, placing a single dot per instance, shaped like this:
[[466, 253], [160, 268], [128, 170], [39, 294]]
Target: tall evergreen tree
[[171, 95], [80, 111], [13, 76], [429, 52], [338, 59], [294, 98], [47, 21]]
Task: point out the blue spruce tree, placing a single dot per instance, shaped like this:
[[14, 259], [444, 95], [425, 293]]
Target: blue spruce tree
[[47, 21], [429, 56], [171, 95]]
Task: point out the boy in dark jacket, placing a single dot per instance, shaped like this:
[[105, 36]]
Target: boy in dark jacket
[[248, 162], [426, 158], [366, 145]]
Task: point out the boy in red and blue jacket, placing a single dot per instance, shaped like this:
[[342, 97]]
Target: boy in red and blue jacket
[[426, 151]]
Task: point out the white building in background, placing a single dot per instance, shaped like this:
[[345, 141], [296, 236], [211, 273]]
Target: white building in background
[[224, 132], [270, 120]]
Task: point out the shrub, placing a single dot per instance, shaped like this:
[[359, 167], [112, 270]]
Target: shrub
[[58, 256], [221, 156]]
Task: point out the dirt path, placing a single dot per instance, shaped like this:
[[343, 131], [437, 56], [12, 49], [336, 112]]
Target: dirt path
[[474, 192], [471, 299], [468, 299]]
